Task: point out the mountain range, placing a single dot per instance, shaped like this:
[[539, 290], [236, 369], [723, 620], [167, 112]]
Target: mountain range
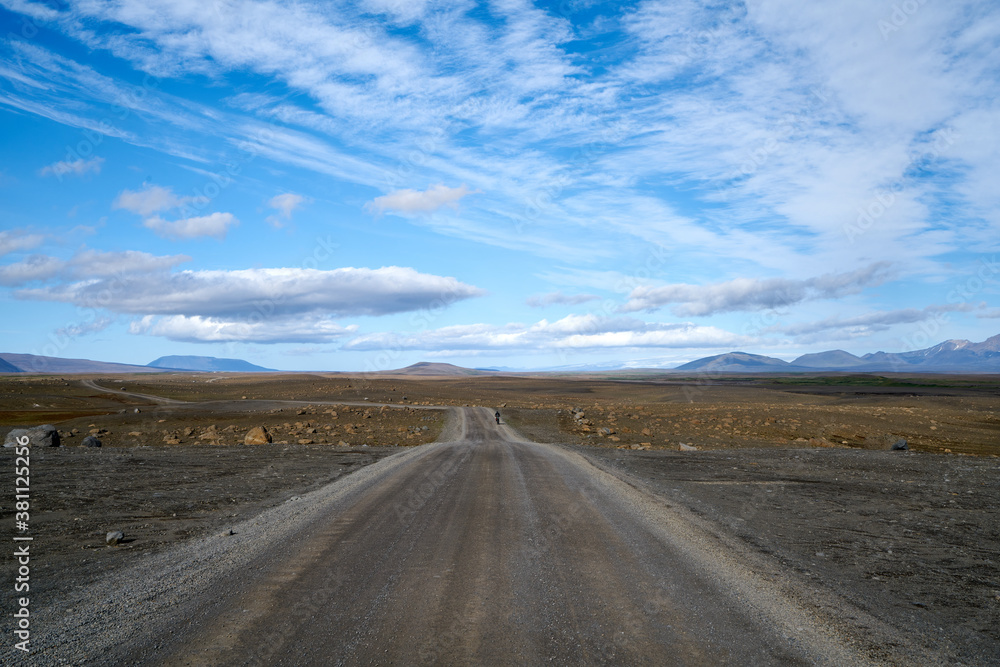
[[951, 356]]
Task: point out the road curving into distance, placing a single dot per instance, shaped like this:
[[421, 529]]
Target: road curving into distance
[[483, 550]]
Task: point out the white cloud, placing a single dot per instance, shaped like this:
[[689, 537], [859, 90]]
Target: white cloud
[[151, 199], [571, 332], [155, 198], [215, 225], [417, 201], [284, 204], [198, 329], [14, 240], [78, 167], [798, 116], [30, 269], [87, 265], [754, 294], [253, 293]]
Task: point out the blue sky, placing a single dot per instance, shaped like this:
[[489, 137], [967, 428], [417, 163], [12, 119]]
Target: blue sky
[[360, 186]]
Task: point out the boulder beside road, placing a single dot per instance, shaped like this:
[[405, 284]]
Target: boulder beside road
[[39, 436], [258, 435]]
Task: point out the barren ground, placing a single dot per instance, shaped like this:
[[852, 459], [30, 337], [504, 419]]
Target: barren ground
[[795, 469]]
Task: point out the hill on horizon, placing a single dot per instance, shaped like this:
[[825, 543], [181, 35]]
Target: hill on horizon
[[436, 368], [737, 362], [7, 367], [33, 363], [207, 364], [829, 359]]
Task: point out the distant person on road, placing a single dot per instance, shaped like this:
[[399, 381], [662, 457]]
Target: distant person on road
[[497, 415]]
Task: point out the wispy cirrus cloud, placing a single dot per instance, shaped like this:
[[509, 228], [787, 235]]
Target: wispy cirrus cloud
[[728, 142], [750, 139]]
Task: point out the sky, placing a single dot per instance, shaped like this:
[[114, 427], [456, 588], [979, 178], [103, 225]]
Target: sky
[[361, 186]]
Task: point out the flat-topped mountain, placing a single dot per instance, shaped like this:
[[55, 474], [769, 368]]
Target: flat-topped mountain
[[194, 363]]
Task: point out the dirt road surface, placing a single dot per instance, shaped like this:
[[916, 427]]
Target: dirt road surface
[[484, 549]]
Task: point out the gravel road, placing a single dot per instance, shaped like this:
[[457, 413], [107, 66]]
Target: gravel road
[[480, 549]]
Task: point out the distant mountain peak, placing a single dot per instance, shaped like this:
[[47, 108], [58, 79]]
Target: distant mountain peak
[[735, 361], [991, 344], [838, 358]]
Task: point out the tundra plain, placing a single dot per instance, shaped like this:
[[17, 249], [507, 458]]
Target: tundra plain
[[891, 555]]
